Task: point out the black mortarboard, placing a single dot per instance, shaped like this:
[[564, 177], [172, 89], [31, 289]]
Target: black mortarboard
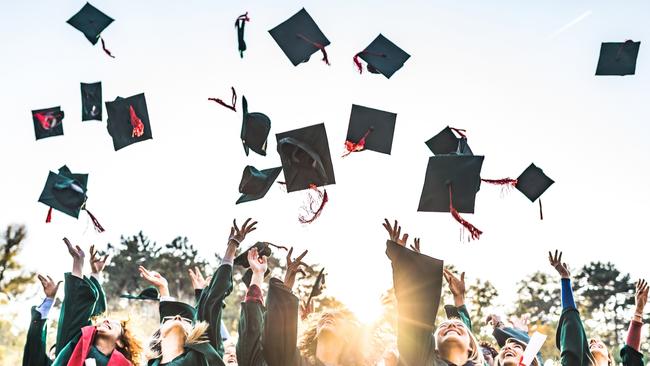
[[533, 182], [255, 183], [446, 142], [91, 101], [149, 293], [382, 56], [48, 122], [299, 37], [459, 173], [319, 284], [128, 120], [305, 156], [65, 191], [173, 308], [618, 58], [91, 22], [255, 130], [375, 125], [263, 249]]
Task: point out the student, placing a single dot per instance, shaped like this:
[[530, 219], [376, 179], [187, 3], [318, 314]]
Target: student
[[34, 353], [417, 280], [191, 336], [109, 342], [631, 352]]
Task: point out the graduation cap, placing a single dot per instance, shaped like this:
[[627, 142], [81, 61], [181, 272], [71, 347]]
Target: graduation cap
[[66, 192], [533, 183], [149, 293], [173, 308], [446, 142], [48, 122], [450, 185], [370, 129], [618, 58], [255, 130], [128, 120], [91, 101], [239, 24], [382, 56], [299, 37], [255, 183], [91, 22], [319, 284], [263, 250]]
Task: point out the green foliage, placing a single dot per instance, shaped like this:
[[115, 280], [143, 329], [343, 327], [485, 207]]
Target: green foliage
[[539, 296], [13, 278]]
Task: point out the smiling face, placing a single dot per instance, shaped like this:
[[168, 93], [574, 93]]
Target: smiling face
[[175, 323], [598, 349], [109, 329], [452, 334], [511, 353], [230, 354]]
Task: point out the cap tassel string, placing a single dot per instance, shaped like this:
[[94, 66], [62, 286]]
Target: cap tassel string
[[322, 196], [541, 213], [474, 232], [136, 123], [43, 120], [234, 100], [357, 63], [239, 24], [317, 45], [461, 132], [48, 219], [106, 51], [351, 147], [98, 227]]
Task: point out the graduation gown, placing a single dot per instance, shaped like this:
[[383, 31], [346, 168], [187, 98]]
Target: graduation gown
[[202, 354], [571, 339], [251, 326], [631, 357], [35, 353]]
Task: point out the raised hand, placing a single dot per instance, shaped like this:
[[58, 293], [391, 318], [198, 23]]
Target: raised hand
[[198, 281], [238, 235], [456, 286], [560, 267], [495, 321], [49, 286], [78, 256], [258, 264], [156, 279], [97, 263], [293, 267], [520, 322], [641, 297], [394, 233], [416, 245]]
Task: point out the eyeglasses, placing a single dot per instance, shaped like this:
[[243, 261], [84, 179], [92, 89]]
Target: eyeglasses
[[169, 318]]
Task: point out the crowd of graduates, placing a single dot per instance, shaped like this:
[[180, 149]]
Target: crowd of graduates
[[275, 330]]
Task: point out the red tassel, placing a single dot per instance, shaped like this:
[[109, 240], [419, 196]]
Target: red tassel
[[357, 63], [501, 182], [106, 51], [48, 219], [317, 45], [136, 123], [315, 214], [541, 213], [43, 120], [98, 226], [351, 147], [461, 132], [234, 100], [474, 232]]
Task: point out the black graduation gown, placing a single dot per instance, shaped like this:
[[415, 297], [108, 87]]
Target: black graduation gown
[[35, 353], [251, 326]]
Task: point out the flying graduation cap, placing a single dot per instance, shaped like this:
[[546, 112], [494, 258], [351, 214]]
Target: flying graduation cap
[[66, 192], [318, 287], [240, 23], [255, 130], [149, 293], [370, 129], [91, 101], [449, 141], [256, 183], [263, 250], [299, 37], [128, 120], [618, 58], [91, 22], [383, 57], [48, 122], [450, 185], [533, 183]]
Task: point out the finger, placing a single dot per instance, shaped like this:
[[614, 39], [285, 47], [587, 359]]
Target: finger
[[399, 231], [405, 238], [301, 256], [243, 227], [42, 279], [50, 279], [234, 224], [289, 256], [92, 250], [550, 257], [105, 258], [555, 257], [58, 284], [79, 251], [560, 259], [251, 227], [68, 244], [462, 277]]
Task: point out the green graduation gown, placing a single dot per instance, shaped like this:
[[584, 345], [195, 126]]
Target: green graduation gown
[[35, 353], [631, 357], [251, 326], [571, 339]]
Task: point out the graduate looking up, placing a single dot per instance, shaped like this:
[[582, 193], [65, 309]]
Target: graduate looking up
[[107, 341]]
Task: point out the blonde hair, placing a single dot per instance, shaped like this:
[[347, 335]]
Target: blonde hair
[[474, 353], [197, 334]]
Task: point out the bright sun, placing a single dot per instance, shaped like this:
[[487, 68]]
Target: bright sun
[[367, 310]]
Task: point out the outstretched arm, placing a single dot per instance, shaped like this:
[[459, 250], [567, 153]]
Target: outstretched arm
[[457, 288], [35, 353], [631, 354], [251, 319]]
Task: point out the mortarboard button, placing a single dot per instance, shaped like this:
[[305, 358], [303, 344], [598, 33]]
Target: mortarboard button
[[299, 37], [48, 122], [255, 130], [382, 56], [370, 129], [128, 120], [255, 183], [446, 142], [91, 22], [618, 58], [91, 101]]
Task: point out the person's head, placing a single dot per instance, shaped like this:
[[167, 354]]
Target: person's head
[[118, 332], [599, 351], [177, 328], [453, 336], [511, 353], [230, 353], [489, 352]]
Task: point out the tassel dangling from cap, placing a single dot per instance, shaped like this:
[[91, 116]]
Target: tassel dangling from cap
[[136, 123], [357, 63], [322, 196], [541, 213], [239, 24], [48, 219], [106, 51], [43, 120], [474, 232], [501, 182], [317, 45], [351, 147], [461, 132], [234, 100], [98, 227]]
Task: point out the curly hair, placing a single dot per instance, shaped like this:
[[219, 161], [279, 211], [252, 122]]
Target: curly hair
[[131, 347]]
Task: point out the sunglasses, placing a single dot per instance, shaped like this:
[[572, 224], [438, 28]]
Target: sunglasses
[[169, 318]]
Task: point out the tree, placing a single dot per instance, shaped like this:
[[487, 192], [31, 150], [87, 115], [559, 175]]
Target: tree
[[481, 296], [539, 296], [13, 278]]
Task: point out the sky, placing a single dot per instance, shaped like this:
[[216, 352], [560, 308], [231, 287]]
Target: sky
[[518, 76]]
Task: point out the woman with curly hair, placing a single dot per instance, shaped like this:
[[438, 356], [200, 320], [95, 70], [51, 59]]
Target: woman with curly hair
[[107, 341], [571, 339]]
